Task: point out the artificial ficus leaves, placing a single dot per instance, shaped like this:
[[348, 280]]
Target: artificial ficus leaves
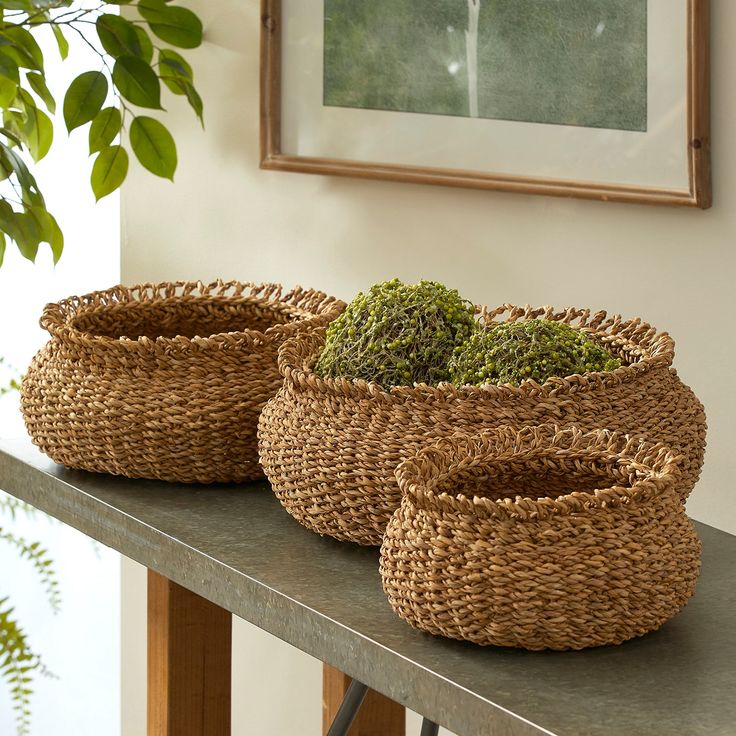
[[39, 131], [9, 69], [105, 127], [20, 45], [84, 99], [38, 85], [119, 37], [153, 146], [109, 171], [177, 26], [61, 41], [137, 82], [129, 72], [49, 230]]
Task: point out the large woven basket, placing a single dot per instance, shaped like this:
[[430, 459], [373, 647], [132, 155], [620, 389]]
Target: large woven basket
[[330, 447], [164, 381], [541, 539]]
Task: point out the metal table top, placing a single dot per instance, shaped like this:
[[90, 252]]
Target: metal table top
[[235, 546]]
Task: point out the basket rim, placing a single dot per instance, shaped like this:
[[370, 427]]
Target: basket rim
[[657, 465], [298, 355], [316, 308]]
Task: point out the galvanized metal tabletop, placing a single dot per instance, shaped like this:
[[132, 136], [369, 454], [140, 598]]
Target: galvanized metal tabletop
[[235, 546]]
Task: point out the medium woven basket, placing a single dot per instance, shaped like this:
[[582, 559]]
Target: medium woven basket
[[330, 447], [541, 539], [164, 381]]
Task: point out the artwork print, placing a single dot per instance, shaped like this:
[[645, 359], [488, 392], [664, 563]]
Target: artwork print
[[561, 62]]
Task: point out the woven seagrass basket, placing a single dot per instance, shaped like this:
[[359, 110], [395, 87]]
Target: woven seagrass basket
[[164, 381], [540, 539], [330, 447]]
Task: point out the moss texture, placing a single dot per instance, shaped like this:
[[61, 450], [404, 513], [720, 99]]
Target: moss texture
[[537, 349], [398, 334]]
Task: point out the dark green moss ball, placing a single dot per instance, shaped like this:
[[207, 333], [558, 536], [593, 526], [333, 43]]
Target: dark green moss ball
[[397, 334], [511, 352]]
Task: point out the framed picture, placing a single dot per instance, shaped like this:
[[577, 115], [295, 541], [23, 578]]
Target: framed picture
[[602, 99]]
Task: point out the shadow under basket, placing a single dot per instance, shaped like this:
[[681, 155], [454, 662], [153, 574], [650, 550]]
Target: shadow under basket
[[164, 381], [540, 539]]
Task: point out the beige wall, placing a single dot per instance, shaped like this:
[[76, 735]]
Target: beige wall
[[224, 217]]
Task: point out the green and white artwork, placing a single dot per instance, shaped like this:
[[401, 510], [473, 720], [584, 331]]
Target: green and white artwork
[[564, 62]]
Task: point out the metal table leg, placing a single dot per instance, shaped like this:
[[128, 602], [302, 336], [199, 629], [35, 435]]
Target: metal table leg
[[348, 709]]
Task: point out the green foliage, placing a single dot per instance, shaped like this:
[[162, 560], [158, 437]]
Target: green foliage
[[139, 55], [18, 662], [397, 334], [7, 385], [536, 349]]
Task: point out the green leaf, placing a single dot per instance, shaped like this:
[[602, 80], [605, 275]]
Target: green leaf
[[104, 128], [12, 134], [61, 41], [84, 99], [29, 235], [145, 43], [109, 171], [177, 26], [195, 101], [9, 69], [50, 233], [22, 47], [39, 131], [12, 163], [119, 37], [7, 220], [137, 82], [174, 71], [153, 146], [8, 91], [2, 248], [38, 85]]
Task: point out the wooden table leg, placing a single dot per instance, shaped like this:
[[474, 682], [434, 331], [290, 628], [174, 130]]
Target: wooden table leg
[[378, 716], [189, 657]]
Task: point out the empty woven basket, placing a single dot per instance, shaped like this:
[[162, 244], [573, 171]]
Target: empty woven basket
[[164, 381], [541, 539], [330, 447]]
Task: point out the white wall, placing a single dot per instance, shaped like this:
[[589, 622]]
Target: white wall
[[225, 217]]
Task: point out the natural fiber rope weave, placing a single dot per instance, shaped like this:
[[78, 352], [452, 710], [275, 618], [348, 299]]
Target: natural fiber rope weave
[[164, 381], [502, 538], [330, 447]]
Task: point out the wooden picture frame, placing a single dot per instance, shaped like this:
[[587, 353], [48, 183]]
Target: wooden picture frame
[[695, 154]]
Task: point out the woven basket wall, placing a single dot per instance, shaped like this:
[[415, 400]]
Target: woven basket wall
[[164, 381], [330, 447], [502, 538]]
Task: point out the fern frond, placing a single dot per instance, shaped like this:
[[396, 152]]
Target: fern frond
[[17, 664], [13, 506], [41, 560]]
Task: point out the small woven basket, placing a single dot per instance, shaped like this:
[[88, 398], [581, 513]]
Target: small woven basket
[[540, 539], [164, 381], [330, 447]]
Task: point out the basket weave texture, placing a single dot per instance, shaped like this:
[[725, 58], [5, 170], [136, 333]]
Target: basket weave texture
[[541, 539], [164, 381], [330, 447]]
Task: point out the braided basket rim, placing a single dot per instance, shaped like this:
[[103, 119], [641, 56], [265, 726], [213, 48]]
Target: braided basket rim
[[312, 306], [655, 463], [298, 355]]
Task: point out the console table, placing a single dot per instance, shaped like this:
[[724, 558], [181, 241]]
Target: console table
[[213, 551]]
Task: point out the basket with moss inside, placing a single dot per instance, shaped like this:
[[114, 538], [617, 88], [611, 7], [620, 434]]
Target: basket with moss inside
[[331, 439]]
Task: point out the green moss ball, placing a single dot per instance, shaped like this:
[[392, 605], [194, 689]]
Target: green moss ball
[[397, 334], [511, 352]]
